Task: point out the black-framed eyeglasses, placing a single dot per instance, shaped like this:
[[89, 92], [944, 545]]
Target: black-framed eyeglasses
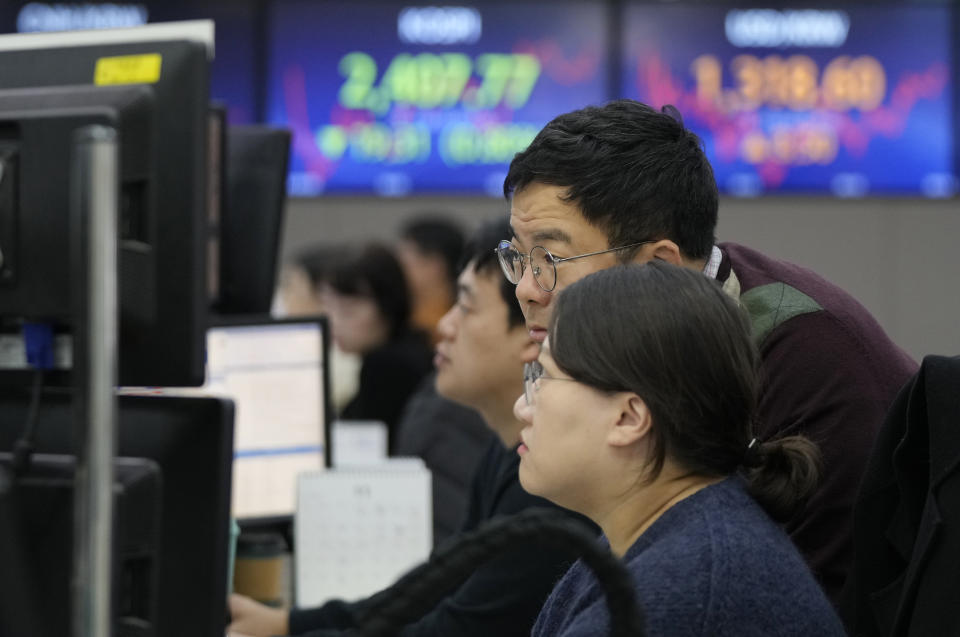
[[533, 372], [543, 264]]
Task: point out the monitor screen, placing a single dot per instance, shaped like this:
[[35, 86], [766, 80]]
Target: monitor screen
[[393, 99], [849, 101], [275, 372]]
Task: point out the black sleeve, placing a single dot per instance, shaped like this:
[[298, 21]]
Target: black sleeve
[[340, 615], [502, 598], [334, 616]]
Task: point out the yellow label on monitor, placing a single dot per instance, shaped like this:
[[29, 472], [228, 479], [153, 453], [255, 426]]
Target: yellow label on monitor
[[128, 69]]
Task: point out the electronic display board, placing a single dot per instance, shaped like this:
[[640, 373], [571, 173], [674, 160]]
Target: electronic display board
[[233, 74], [849, 101], [396, 99]]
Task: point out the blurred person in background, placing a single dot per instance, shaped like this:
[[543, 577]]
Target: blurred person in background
[[299, 295], [298, 288], [437, 425], [365, 295], [429, 250]]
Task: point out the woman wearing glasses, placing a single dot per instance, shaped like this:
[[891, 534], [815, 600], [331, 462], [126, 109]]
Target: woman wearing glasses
[[638, 416]]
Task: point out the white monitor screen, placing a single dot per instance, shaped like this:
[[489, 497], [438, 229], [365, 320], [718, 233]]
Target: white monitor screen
[[274, 372]]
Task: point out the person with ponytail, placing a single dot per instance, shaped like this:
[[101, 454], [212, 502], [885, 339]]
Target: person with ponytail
[[639, 414]]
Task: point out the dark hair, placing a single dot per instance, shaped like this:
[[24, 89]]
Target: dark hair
[[373, 272], [420, 590], [480, 252], [634, 172], [673, 336], [435, 235], [318, 261]]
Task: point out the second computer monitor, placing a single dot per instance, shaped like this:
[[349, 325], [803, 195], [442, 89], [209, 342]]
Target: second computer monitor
[[254, 198], [189, 440], [276, 371]]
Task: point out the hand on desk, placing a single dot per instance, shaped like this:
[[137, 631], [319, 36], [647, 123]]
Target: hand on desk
[[253, 619]]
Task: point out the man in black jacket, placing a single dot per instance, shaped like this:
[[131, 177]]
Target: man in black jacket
[[483, 342]]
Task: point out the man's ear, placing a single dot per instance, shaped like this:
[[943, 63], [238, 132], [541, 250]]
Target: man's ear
[[664, 249], [633, 424]]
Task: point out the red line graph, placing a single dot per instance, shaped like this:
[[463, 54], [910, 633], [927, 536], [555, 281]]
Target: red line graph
[[566, 71], [298, 119], [658, 85]]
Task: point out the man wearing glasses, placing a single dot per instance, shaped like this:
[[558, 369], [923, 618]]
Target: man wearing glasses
[[624, 183]]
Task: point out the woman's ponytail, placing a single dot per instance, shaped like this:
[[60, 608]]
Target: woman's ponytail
[[782, 474]]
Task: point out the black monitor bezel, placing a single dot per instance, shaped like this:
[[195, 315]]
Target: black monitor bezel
[[169, 349], [256, 157], [169, 430]]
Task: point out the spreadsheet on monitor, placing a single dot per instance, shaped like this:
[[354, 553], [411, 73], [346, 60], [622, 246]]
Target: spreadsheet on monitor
[[275, 373]]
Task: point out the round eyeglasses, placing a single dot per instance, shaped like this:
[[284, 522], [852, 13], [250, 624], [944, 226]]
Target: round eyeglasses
[[533, 372], [542, 263]]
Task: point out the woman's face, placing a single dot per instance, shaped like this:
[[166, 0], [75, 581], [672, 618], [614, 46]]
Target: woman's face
[[356, 324], [296, 293], [564, 448]]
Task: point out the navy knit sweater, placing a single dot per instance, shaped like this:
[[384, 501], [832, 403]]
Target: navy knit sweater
[[713, 564]]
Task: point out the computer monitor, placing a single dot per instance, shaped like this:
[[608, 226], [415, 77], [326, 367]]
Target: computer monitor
[[256, 192], [51, 85], [276, 372], [36, 549], [191, 440]]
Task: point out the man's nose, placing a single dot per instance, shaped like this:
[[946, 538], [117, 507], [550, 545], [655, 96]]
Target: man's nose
[[445, 326], [529, 291]]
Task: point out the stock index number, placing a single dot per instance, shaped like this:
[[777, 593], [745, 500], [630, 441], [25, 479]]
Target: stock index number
[[432, 80], [793, 82]]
